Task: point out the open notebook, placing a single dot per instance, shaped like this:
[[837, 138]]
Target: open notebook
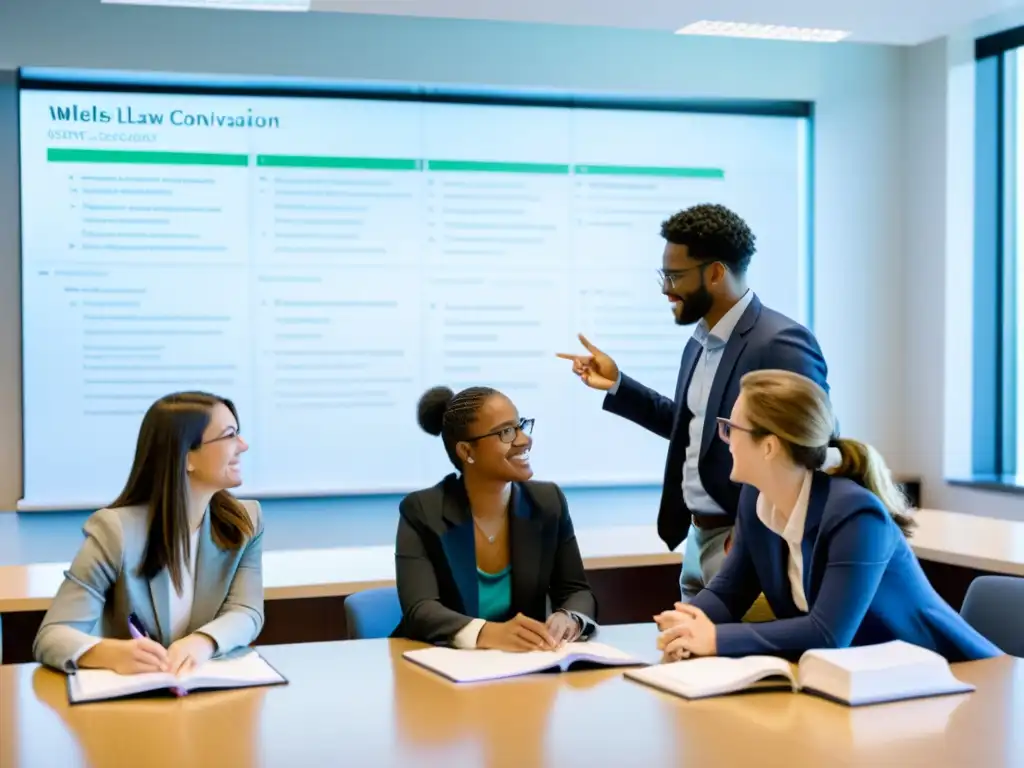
[[246, 670], [467, 666], [868, 674]]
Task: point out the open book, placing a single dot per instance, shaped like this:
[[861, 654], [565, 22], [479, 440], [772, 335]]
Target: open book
[[466, 666], [868, 674], [243, 671]]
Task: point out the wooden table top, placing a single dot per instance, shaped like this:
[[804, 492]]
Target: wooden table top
[[971, 541], [359, 703], [333, 572]]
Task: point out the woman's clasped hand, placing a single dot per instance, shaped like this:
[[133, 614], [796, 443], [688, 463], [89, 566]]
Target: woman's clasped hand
[[521, 633], [683, 632]]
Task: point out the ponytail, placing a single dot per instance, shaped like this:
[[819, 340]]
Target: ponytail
[[866, 467]]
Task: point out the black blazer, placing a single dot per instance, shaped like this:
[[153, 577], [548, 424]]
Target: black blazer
[[762, 339], [435, 559]]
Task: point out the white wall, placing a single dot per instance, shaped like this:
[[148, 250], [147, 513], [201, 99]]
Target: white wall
[[938, 205], [859, 292], [923, 263]]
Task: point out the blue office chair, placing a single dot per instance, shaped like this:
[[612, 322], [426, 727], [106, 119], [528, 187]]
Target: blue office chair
[[994, 605], [372, 613]]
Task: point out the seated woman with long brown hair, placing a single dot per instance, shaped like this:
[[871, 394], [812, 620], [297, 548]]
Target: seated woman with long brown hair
[[828, 548], [170, 574]]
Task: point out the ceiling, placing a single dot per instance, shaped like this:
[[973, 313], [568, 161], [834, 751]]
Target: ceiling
[[897, 22]]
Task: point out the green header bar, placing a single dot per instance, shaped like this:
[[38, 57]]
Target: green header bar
[[128, 156], [488, 166], [351, 163], [650, 170], [143, 157]]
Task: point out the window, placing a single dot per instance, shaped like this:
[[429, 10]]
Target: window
[[998, 300]]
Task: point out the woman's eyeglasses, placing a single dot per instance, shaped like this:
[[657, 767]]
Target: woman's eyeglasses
[[725, 428], [231, 434], [506, 434]]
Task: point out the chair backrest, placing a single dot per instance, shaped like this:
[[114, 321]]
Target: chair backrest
[[372, 613], [994, 605]]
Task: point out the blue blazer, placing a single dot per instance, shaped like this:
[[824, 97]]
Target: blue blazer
[[762, 339], [862, 581]]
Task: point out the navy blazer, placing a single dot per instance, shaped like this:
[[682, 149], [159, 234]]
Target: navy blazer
[[862, 582], [762, 339], [435, 559]]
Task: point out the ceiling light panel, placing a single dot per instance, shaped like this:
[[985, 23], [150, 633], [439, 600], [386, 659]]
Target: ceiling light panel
[[235, 5], [762, 31]]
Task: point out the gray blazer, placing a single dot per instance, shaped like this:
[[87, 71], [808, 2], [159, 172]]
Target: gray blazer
[[101, 589]]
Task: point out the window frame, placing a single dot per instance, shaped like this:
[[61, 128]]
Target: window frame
[[995, 454]]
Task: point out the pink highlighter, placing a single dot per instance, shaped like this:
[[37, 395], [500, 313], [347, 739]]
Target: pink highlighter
[[137, 632]]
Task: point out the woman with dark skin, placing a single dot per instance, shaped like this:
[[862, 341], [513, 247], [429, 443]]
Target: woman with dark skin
[[478, 555]]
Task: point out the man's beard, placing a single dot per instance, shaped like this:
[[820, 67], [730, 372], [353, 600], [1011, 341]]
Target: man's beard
[[694, 306]]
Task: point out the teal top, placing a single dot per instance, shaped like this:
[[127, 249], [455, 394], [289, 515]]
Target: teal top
[[495, 594]]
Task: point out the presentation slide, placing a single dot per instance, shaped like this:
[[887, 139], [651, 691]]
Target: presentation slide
[[323, 261]]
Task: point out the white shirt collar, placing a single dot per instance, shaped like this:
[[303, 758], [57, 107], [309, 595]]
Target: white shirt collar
[[723, 329], [792, 528]]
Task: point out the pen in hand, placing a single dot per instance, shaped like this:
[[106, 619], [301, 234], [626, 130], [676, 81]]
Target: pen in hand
[[137, 632]]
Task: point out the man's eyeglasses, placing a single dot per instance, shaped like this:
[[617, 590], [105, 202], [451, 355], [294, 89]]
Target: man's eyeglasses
[[667, 277], [506, 434]]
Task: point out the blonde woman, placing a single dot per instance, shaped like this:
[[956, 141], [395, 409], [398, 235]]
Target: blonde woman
[[829, 550]]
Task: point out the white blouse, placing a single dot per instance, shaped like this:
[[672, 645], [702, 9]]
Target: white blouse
[[792, 530], [181, 604]]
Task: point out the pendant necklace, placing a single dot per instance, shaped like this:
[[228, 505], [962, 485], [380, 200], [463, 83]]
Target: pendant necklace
[[490, 538]]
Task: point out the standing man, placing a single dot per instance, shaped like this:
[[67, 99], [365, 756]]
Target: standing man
[[707, 252]]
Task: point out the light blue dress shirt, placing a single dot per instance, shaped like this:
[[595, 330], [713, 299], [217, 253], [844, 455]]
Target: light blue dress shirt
[[713, 342]]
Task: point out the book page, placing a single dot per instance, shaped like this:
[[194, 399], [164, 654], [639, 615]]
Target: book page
[[249, 669], [97, 684], [471, 665], [712, 676], [876, 673], [466, 665], [596, 652], [873, 657]]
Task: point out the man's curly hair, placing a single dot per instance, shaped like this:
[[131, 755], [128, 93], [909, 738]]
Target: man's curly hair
[[712, 232]]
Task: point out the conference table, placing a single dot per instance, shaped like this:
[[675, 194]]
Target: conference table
[[629, 569], [360, 703]]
